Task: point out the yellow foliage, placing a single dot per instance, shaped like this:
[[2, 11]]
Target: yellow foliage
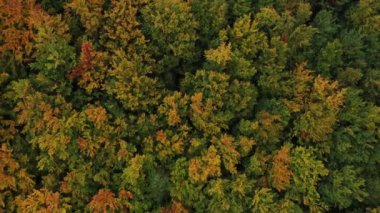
[[7, 129], [203, 113], [318, 101], [220, 55], [172, 102], [171, 144], [122, 30], [42, 200], [90, 12], [302, 82], [25, 181], [227, 151], [132, 173], [239, 185], [129, 83], [327, 91], [266, 126], [206, 166], [245, 145]]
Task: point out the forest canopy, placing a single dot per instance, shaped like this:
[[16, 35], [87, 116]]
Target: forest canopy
[[177, 106]]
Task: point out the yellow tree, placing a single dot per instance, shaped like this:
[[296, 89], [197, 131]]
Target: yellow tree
[[316, 103]]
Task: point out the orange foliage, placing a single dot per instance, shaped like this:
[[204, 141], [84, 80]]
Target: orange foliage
[[12, 177], [97, 115], [7, 166], [176, 207], [281, 174], [196, 104], [124, 194], [161, 136], [81, 144], [104, 201], [88, 148], [40, 201], [90, 71], [13, 13], [86, 61], [267, 126], [19, 21]]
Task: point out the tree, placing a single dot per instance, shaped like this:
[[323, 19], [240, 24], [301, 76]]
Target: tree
[[103, 201], [41, 200], [212, 18], [307, 172], [318, 101], [171, 28], [90, 13], [280, 170], [344, 187]]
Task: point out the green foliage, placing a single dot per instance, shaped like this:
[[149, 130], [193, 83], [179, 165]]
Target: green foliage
[[54, 58], [307, 171], [212, 17], [344, 187], [217, 99], [171, 28], [128, 81], [240, 7], [264, 201], [357, 136]]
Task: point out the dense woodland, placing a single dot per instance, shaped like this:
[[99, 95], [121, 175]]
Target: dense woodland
[[189, 106]]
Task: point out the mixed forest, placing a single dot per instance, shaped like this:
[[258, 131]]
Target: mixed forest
[[177, 106]]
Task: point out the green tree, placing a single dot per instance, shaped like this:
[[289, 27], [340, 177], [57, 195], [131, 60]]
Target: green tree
[[172, 30]]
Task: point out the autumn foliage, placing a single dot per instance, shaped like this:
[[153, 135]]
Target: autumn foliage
[[179, 106]]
